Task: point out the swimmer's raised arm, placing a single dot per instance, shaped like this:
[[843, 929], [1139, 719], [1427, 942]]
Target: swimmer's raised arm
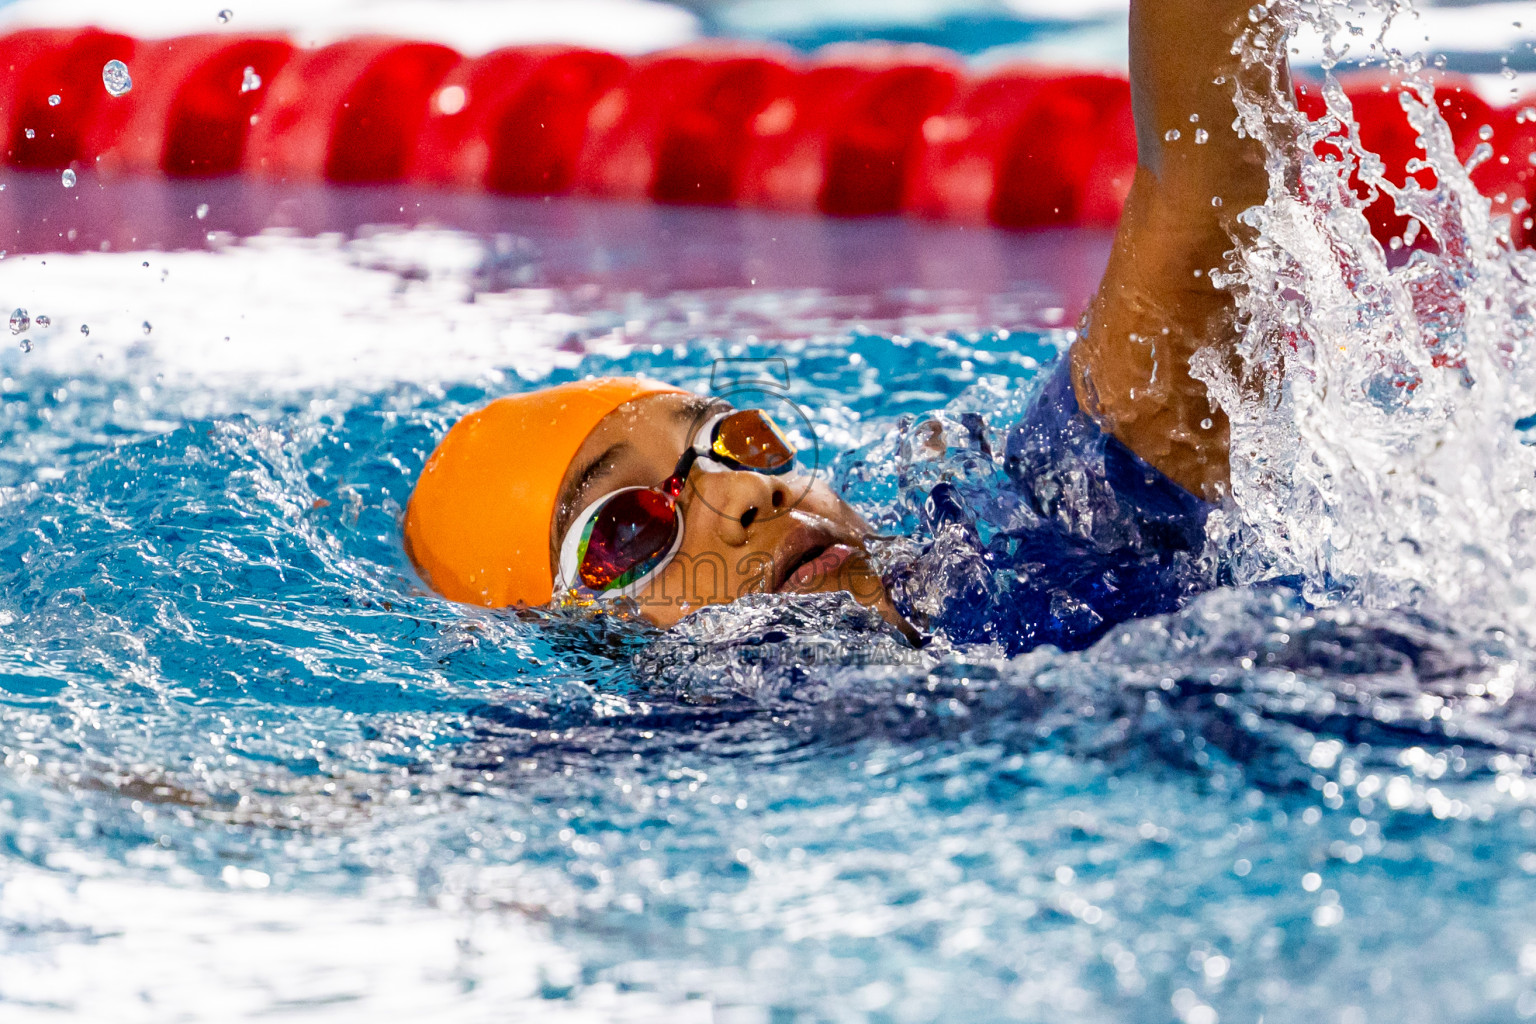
[[1156, 306]]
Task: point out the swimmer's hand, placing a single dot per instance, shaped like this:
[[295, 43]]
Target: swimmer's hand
[[1156, 306]]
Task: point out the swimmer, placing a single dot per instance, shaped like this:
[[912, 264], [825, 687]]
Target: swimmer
[[623, 488]]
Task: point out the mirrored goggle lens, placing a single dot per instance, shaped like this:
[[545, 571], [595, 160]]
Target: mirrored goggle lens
[[750, 439], [629, 537]]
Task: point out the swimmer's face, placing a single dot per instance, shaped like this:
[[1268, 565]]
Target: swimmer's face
[[743, 533]]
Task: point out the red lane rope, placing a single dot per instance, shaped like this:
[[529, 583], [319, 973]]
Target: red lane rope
[[872, 130]]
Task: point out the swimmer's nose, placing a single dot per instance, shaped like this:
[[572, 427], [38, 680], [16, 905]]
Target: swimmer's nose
[[734, 502]]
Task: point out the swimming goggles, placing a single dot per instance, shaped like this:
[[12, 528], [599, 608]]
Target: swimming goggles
[[623, 540]]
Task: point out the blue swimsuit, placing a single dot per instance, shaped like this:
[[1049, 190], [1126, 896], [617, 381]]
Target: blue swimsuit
[[1097, 537]]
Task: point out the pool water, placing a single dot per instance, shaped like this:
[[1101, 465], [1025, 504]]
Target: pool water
[[252, 769]]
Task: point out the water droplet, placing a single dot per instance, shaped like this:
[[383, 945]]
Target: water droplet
[[116, 78], [1215, 200], [251, 81], [1526, 114], [202, 210], [1485, 132], [1202, 136], [85, 329], [69, 178], [26, 346], [1194, 118], [20, 322], [225, 15], [147, 328], [55, 100], [44, 321], [1172, 135], [1207, 423], [31, 134]]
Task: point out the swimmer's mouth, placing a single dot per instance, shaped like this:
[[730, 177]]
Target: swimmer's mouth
[[810, 556], [806, 558]]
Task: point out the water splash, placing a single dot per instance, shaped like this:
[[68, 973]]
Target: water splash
[[1375, 452]]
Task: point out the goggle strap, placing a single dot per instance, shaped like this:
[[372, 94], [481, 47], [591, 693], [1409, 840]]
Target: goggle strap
[[673, 487]]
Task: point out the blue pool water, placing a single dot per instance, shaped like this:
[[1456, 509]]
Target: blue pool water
[[252, 770]]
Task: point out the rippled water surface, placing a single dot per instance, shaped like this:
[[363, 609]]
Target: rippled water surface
[[251, 768]]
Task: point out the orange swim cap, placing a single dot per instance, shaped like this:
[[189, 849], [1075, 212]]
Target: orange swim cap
[[478, 523]]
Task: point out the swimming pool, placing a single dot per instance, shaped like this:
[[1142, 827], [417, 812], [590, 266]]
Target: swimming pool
[[252, 769]]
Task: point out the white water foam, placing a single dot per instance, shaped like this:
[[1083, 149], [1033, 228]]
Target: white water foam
[[305, 312], [103, 947]]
